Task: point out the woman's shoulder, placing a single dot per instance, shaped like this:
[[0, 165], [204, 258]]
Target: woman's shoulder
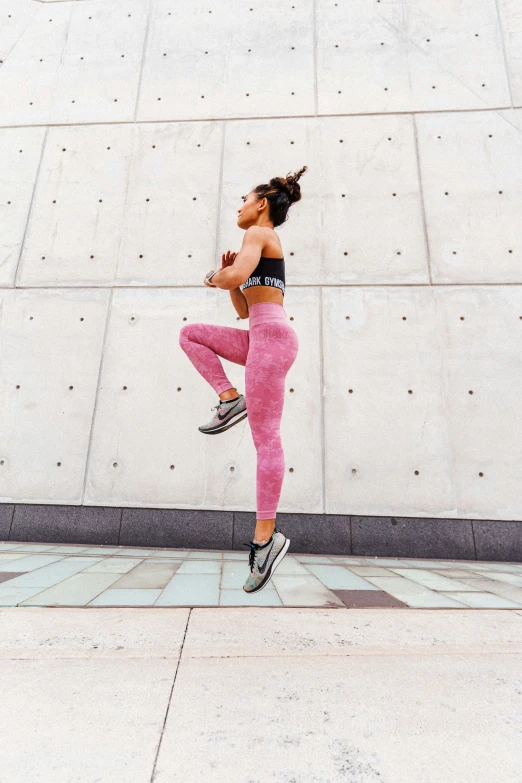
[[272, 247]]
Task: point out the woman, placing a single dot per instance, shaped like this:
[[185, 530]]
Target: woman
[[255, 278]]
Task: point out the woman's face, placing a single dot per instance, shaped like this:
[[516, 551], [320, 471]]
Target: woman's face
[[250, 212]]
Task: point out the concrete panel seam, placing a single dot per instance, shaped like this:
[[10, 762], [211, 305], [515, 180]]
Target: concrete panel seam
[[30, 287], [421, 195], [504, 52], [216, 262], [11, 523], [30, 210], [262, 118], [474, 540], [100, 371], [143, 53], [121, 521], [314, 55], [321, 361]]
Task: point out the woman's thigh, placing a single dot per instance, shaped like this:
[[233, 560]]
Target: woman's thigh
[[272, 351], [226, 341]]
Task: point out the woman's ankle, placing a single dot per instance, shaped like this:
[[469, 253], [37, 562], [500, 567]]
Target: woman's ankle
[[229, 394], [264, 531]]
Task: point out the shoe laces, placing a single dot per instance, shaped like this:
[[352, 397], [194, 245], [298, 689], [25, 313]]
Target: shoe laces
[[252, 553], [216, 407], [253, 550]]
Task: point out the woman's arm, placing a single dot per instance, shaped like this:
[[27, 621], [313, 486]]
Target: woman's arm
[[224, 278], [237, 267], [236, 294], [239, 301]]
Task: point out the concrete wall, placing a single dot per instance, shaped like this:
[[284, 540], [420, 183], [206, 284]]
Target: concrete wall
[[129, 131]]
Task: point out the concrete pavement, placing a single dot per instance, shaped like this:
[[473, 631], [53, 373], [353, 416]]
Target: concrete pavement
[[260, 694]]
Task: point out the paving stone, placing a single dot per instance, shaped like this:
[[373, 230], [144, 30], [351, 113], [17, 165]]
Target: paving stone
[[454, 573], [502, 589], [191, 590], [339, 578], [315, 560], [395, 731], [430, 579], [127, 597], [369, 571], [503, 568], [44, 633], [80, 550], [316, 631], [413, 594], [12, 596], [484, 600], [382, 562], [147, 575], [35, 547], [5, 577], [289, 565], [53, 573], [98, 550], [30, 562], [235, 575], [193, 566], [114, 565], [265, 597], [368, 598], [510, 579], [304, 591], [78, 590], [84, 720]]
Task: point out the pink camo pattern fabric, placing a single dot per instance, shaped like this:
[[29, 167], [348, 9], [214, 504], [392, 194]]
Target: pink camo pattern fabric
[[267, 351]]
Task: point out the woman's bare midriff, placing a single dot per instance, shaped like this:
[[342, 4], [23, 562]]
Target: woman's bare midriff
[[264, 293]]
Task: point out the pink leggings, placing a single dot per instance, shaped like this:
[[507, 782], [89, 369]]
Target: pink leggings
[[267, 350]]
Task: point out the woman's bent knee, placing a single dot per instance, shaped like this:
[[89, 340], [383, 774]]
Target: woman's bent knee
[[186, 332]]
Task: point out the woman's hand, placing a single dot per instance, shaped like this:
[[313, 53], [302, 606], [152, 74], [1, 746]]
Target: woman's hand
[[227, 259]]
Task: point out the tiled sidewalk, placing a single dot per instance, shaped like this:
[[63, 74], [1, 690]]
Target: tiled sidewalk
[[76, 575]]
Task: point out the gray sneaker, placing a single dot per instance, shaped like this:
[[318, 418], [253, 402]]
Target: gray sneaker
[[227, 414], [263, 561]]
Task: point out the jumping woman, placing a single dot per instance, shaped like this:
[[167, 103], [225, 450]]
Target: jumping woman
[[255, 278]]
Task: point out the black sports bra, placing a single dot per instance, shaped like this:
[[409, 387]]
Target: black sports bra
[[269, 272]]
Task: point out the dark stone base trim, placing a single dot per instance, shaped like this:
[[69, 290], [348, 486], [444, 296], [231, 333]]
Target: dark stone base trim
[[335, 534]]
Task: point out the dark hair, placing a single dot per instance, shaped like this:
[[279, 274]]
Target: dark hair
[[281, 194]]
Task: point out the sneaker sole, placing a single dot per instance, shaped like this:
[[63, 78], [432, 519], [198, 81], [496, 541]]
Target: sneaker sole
[[273, 567], [226, 425]]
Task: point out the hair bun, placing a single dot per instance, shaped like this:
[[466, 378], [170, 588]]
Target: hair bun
[[281, 193], [290, 184]]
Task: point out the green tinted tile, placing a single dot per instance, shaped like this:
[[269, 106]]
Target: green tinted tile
[[78, 590], [128, 597], [191, 590]]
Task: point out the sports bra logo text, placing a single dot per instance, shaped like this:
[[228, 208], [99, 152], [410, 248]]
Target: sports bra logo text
[[256, 280]]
